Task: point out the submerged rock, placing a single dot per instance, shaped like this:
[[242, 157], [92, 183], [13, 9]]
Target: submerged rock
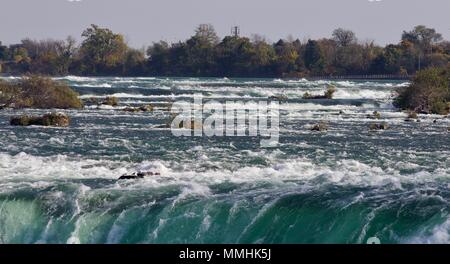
[[138, 175], [381, 126], [112, 101], [131, 109], [322, 126], [278, 98], [190, 125], [144, 108], [193, 125], [91, 101], [412, 116], [374, 115], [52, 119]]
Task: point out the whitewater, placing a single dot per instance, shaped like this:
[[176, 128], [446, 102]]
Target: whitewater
[[59, 185]]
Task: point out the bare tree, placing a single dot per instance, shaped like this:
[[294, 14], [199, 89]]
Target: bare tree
[[344, 37]]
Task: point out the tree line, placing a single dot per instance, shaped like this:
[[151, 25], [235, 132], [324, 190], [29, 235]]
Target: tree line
[[105, 53]]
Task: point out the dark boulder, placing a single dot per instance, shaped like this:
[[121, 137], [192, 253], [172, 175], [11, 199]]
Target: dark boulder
[[52, 119], [138, 175], [143, 108], [278, 98]]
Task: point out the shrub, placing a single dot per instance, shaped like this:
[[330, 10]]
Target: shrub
[[330, 92], [38, 92], [10, 94], [428, 93]]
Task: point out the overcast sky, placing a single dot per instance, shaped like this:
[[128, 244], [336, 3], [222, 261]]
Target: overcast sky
[[145, 21]]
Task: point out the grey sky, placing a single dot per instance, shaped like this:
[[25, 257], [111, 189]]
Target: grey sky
[[145, 21]]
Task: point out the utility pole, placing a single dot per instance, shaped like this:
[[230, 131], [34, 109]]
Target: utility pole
[[235, 31]]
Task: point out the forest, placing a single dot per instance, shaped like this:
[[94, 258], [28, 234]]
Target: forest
[[103, 52]]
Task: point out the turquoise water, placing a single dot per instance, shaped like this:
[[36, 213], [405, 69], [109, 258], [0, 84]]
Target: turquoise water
[[59, 185]]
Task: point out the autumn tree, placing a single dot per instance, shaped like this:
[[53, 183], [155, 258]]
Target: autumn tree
[[422, 37]]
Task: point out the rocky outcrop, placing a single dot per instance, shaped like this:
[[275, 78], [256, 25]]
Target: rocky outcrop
[[374, 115], [51, 119], [327, 95], [381, 126], [321, 127], [412, 116], [143, 108]]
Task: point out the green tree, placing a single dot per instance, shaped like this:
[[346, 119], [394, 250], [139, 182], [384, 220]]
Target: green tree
[[200, 51], [134, 63], [3, 52], [389, 61], [234, 56], [263, 59], [287, 56], [313, 57], [423, 37], [158, 58], [102, 51]]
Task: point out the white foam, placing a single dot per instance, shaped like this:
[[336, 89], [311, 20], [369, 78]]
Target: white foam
[[438, 235], [342, 172]]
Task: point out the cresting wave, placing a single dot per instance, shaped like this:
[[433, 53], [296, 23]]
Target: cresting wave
[[80, 202]]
